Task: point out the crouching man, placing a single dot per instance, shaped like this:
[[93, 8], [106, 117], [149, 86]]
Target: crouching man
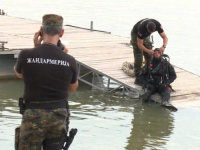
[[157, 75]]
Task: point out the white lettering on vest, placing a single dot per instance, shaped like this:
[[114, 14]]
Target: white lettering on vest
[[47, 61]]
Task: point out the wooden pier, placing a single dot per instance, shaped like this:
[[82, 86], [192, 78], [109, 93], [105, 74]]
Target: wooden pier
[[100, 52]]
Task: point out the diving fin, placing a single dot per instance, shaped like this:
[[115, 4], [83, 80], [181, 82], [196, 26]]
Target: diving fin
[[169, 106]]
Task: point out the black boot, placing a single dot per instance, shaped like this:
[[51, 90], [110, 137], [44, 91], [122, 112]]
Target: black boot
[[138, 81]]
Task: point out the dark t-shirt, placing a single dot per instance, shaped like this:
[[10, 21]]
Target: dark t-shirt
[[47, 72], [140, 28]]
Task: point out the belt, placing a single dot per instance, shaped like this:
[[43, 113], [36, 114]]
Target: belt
[[49, 105]]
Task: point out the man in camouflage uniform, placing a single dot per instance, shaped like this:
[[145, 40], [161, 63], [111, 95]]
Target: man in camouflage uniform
[[49, 75], [141, 43]]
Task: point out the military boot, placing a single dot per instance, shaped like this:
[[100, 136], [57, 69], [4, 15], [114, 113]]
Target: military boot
[[138, 80]]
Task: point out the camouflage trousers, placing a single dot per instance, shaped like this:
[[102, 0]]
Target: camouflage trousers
[[40, 124], [138, 53]]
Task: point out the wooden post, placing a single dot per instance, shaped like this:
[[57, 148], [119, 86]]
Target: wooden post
[[2, 12], [2, 48], [91, 26]]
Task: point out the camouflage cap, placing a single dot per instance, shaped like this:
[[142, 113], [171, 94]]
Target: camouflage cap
[[52, 20]]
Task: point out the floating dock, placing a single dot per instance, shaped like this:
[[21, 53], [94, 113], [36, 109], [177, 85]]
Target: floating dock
[[100, 52]]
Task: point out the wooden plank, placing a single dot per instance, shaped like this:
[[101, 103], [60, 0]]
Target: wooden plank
[[103, 52]]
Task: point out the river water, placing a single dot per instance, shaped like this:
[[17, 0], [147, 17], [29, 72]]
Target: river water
[[111, 121]]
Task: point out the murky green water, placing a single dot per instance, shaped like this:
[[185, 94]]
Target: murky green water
[[110, 121]]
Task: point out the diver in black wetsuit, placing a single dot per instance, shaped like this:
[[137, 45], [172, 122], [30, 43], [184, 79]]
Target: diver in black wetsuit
[[157, 75]]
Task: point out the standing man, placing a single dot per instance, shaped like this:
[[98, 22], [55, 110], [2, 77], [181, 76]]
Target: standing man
[[141, 43], [49, 76]]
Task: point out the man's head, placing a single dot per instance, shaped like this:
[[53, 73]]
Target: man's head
[[151, 27], [52, 24], [157, 55]]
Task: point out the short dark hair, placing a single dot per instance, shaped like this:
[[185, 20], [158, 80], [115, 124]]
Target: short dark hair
[[52, 30], [151, 26]]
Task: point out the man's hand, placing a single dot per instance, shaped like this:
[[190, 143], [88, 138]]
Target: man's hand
[[162, 49], [37, 39], [150, 52], [65, 49]]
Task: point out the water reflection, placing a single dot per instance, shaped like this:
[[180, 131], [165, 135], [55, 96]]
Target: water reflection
[[152, 127], [11, 90], [100, 117], [103, 120], [10, 118], [107, 119]]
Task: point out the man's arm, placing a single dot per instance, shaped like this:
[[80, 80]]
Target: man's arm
[[19, 75], [74, 82], [18, 66], [165, 41], [142, 47], [72, 87]]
